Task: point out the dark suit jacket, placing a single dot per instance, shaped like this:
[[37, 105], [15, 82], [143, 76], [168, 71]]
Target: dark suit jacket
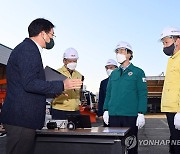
[[27, 88], [102, 96]]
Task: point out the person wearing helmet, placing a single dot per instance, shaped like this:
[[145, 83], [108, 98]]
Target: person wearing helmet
[[68, 103], [126, 96], [110, 66], [170, 101]]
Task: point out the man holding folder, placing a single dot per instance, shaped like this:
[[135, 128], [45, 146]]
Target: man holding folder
[[24, 108]]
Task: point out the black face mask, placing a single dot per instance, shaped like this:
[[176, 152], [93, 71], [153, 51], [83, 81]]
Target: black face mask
[[50, 45], [169, 50]]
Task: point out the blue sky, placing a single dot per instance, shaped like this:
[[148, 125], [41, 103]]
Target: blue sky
[[93, 28]]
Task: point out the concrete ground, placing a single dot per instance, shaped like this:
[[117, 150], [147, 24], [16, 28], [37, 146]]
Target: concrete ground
[[153, 138]]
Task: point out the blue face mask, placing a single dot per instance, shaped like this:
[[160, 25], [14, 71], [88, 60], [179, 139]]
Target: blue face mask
[[169, 50]]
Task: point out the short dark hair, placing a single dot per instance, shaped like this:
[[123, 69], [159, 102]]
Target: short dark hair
[[39, 25], [129, 51]]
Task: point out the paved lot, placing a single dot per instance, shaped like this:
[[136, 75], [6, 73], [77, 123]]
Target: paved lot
[[153, 137]]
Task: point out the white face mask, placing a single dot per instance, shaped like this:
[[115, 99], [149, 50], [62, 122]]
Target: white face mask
[[120, 58], [72, 66], [109, 71]]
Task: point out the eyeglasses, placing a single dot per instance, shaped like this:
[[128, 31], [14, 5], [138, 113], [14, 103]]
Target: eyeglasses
[[54, 36]]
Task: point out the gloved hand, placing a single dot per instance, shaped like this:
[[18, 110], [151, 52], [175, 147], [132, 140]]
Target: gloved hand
[[140, 122], [106, 117], [177, 120]]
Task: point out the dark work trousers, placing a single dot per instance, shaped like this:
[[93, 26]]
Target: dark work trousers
[[174, 134], [62, 115], [105, 125], [126, 121], [20, 140]]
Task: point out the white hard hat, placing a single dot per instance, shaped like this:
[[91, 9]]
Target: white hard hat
[[170, 31], [70, 53], [123, 44], [111, 62]]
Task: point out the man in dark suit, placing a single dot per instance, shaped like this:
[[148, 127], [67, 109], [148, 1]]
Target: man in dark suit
[[24, 108], [110, 66]]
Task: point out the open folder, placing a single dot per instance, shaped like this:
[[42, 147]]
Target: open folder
[[53, 75]]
